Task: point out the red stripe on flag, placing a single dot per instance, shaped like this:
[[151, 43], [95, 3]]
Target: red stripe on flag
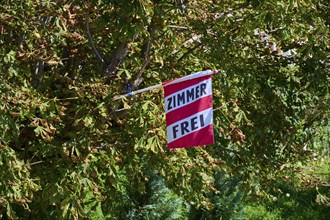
[[170, 89], [188, 110], [201, 137]]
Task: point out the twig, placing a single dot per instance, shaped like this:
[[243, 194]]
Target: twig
[[189, 51], [177, 27], [91, 39], [145, 53], [38, 73], [34, 163], [225, 117], [138, 79], [219, 108]]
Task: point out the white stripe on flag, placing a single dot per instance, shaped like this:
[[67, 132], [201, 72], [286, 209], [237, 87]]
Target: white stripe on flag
[[188, 95], [189, 125]]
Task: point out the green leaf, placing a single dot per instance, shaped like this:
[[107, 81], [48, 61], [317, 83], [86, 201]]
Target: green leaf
[[39, 130]]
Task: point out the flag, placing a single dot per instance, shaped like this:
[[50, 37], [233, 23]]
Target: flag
[[189, 111]]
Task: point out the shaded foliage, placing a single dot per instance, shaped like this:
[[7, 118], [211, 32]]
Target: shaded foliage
[[227, 201]]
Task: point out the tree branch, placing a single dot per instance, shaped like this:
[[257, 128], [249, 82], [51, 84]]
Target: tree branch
[[189, 52], [38, 72], [147, 58], [138, 79], [145, 52], [117, 57], [98, 56]]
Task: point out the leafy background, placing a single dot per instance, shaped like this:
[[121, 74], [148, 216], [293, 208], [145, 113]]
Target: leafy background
[[68, 151]]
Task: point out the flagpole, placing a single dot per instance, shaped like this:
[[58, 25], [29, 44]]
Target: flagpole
[[137, 91], [184, 78]]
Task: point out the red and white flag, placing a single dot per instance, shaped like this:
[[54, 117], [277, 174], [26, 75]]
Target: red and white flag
[[189, 111]]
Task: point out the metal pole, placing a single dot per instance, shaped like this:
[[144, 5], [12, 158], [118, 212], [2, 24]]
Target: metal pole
[[184, 78], [137, 91]]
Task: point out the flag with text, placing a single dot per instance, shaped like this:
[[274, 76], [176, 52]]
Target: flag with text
[[189, 111]]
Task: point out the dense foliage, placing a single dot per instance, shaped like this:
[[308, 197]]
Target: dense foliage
[[67, 150]]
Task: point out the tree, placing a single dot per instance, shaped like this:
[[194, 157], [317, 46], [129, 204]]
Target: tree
[[67, 147]]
